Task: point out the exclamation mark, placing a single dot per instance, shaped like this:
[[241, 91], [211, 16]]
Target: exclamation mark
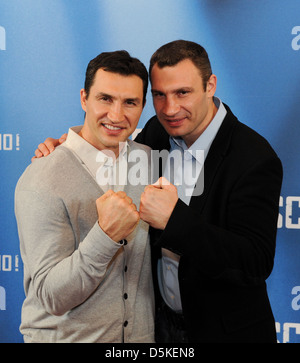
[[17, 142], [17, 263]]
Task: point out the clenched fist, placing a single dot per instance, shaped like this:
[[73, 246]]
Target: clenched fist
[[117, 215], [157, 203]]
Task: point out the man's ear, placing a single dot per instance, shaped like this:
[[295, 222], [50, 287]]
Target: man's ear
[[83, 98], [211, 85]]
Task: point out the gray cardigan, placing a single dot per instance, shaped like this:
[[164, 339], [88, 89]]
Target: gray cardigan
[[80, 286]]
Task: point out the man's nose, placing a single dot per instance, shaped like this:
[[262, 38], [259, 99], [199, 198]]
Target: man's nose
[[116, 113], [171, 107]]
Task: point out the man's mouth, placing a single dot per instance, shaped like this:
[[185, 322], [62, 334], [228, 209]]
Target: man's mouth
[[112, 128], [175, 122]]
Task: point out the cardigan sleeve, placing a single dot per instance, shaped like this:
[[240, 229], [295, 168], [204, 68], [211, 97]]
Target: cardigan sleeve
[[62, 277]]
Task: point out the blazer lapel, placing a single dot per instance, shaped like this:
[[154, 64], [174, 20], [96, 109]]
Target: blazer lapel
[[213, 160]]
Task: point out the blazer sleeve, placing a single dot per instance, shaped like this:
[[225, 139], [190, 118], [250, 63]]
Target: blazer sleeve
[[242, 248]]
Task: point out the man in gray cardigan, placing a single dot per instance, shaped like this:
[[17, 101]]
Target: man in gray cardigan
[[86, 254]]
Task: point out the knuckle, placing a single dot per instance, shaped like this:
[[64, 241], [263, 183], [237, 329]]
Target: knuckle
[[38, 153], [121, 194], [137, 215], [147, 188], [49, 139]]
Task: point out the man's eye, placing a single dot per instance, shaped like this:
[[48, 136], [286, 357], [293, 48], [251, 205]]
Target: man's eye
[[104, 98], [157, 94], [130, 103], [183, 93]]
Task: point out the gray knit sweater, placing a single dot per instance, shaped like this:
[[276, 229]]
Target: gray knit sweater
[[80, 286]]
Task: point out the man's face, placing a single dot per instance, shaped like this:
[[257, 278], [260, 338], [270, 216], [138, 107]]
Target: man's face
[[181, 104], [113, 109]]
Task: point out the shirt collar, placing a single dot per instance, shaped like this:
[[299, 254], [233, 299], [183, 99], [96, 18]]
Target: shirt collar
[[88, 154], [205, 140]]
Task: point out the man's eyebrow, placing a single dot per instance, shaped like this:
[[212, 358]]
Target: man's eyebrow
[[154, 90], [180, 89], [127, 99], [134, 99], [103, 94]]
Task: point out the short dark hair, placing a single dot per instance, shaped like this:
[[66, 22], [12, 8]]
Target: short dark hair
[[119, 62], [174, 52]]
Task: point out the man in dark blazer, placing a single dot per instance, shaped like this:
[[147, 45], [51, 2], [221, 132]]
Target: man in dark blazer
[[211, 251], [224, 239]]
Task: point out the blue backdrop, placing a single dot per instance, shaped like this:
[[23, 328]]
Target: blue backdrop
[[254, 48]]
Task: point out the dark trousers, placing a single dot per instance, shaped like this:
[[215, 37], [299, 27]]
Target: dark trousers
[[169, 326]]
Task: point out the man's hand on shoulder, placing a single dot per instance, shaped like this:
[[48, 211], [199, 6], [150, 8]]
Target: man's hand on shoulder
[[48, 146]]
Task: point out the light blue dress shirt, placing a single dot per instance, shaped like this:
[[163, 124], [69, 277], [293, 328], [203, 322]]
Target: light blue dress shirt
[[183, 169]]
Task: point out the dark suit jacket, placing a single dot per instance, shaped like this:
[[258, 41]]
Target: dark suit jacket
[[225, 237]]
